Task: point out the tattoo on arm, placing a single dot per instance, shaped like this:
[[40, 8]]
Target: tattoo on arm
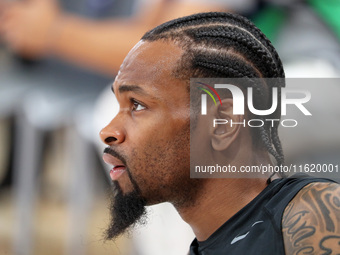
[[311, 221]]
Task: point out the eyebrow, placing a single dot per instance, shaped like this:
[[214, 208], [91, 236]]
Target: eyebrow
[[133, 88], [127, 88]]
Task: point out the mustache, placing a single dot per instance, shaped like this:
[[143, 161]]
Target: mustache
[[114, 153]]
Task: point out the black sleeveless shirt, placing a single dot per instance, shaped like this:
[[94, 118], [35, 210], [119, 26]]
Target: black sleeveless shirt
[[256, 228]]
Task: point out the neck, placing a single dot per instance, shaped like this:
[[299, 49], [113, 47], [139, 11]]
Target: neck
[[219, 200]]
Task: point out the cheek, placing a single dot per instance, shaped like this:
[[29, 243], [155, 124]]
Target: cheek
[[159, 158], [158, 145], [151, 134]]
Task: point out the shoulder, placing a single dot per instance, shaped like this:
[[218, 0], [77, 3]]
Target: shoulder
[[311, 221]]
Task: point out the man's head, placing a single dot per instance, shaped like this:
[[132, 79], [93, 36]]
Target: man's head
[[149, 139]]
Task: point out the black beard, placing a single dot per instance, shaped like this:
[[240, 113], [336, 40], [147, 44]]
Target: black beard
[[127, 210]]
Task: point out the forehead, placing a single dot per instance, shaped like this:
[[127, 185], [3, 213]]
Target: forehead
[[149, 64]]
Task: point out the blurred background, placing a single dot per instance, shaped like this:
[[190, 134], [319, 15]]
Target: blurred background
[[57, 61]]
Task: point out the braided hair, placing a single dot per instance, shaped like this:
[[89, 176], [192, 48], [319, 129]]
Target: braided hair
[[226, 45]]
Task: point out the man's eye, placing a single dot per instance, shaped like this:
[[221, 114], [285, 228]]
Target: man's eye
[[137, 106]]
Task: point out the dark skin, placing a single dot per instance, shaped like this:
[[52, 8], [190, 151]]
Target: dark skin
[[311, 221], [151, 132]]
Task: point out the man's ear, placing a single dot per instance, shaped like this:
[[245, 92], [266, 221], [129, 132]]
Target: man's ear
[[223, 133]]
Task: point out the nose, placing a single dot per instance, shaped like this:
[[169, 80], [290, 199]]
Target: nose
[[112, 133]]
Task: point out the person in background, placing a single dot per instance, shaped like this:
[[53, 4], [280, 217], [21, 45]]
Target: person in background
[[36, 28]]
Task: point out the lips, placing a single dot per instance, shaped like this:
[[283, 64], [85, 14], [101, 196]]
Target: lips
[[118, 167]]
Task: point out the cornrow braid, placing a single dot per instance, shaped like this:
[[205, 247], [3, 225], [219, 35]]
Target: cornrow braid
[[226, 45], [233, 37]]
